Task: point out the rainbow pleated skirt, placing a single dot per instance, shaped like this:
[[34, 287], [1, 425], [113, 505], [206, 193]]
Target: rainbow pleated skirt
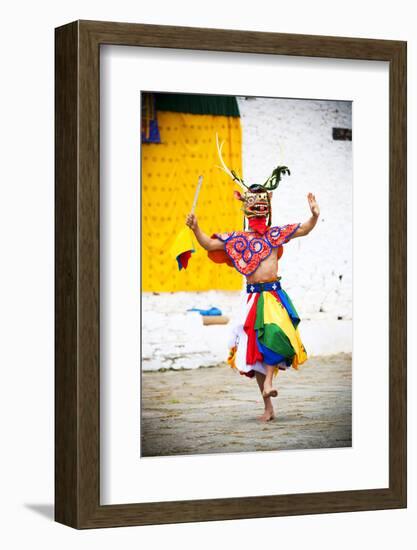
[[266, 332]]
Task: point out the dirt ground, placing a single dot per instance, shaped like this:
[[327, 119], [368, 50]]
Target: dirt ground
[[215, 410]]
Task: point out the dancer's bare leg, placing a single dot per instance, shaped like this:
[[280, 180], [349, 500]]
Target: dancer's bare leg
[[269, 409], [268, 390]]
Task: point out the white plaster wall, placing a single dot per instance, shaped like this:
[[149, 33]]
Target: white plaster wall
[[317, 269]]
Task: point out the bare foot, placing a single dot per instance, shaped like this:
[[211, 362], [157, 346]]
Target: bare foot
[[267, 416], [269, 391]]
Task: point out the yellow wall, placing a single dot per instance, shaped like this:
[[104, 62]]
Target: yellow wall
[[170, 172]]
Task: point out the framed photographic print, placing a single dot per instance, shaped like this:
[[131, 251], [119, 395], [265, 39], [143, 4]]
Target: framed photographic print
[[230, 274]]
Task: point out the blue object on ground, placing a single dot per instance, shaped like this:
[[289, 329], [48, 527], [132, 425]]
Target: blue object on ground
[[211, 311]]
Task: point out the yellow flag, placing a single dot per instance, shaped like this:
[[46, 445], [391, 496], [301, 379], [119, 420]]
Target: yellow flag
[[182, 247]]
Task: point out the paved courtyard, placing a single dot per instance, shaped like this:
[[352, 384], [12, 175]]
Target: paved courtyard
[[215, 410]]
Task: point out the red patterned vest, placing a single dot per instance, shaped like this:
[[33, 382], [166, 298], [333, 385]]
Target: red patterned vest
[[245, 250]]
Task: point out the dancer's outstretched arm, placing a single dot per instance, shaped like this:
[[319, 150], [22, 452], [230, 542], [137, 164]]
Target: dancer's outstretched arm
[[204, 240], [307, 226]]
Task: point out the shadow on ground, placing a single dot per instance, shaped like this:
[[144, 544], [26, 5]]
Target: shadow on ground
[[45, 510]]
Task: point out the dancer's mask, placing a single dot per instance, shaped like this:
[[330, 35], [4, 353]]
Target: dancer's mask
[[256, 198]]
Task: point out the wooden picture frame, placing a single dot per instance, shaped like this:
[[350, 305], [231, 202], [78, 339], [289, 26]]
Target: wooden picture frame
[[77, 358]]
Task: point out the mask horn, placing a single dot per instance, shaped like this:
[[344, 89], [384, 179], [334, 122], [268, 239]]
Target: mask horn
[[224, 167], [273, 181]]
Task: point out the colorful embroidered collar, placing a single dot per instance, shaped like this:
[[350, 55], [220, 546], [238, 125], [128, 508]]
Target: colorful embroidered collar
[[247, 249]]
